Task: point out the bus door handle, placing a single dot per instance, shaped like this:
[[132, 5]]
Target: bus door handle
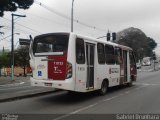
[[47, 60]]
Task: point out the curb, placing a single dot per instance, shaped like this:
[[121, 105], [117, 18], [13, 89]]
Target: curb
[[18, 83], [149, 70], [27, 95]]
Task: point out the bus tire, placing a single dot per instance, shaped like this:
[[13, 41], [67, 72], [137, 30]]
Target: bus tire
[[104, 88]]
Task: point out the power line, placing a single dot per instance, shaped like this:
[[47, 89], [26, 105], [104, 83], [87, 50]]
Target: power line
[[68, 18], [52, 10], [18, 31], [50, 20], [28, 28], [24, 26]]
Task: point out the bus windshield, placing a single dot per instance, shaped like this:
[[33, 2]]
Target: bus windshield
[[52, 44]]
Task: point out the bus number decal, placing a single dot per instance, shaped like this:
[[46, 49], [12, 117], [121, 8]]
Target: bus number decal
[[58, 63], [57, 67], [81, 68]]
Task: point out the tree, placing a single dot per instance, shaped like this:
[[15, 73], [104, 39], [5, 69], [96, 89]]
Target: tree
[[4, 60], [13, 5], [136, 39], [152, 43], [22, 57]]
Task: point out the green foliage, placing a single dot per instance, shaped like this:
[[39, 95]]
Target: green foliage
[[4, 60], [152, 43], [0, 65], [13, 5], [142, 45], [22, 57]]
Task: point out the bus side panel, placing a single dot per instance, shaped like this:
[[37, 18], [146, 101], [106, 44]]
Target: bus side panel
[[114, 73], [102, 73], [81, 76], [71, 59]]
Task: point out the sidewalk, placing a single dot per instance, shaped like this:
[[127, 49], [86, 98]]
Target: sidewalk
[[20, 88], [17, 80]]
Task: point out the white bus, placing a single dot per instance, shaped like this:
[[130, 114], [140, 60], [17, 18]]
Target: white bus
[[78, 63]]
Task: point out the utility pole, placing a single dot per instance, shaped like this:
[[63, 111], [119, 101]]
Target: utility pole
[[3, 52], [12, 45], [72, 16], [0, 63]]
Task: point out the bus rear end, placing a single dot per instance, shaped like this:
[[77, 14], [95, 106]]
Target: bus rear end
[[49, 61]]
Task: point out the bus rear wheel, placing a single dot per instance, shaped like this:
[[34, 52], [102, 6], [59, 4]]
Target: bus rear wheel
[[104, 88]]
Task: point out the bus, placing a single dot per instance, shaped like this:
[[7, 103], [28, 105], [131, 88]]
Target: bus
[[78, 63]]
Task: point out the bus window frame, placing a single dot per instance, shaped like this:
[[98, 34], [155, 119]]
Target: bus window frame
[[83, 59], [98, 54], [118, 57], [108, 56], [41, 54]]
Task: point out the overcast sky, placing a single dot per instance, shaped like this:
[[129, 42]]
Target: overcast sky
[[113, 15]]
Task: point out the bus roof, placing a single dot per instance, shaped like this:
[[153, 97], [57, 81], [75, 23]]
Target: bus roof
[[103, 41], [88, 38]]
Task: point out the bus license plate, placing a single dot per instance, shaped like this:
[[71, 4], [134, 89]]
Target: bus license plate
[[48, 84]]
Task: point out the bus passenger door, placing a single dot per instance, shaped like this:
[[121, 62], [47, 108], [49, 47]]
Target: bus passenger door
[[125, 65], [133, 69], [90, 50]]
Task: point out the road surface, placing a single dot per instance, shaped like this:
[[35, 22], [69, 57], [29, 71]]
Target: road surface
[[142, 97]]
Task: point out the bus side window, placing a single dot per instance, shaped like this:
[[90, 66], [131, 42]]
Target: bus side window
[[118, 55], [109, 54], [101, 55], [80, 54]]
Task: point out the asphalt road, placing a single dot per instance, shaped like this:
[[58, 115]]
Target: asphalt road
[[142, 97], [151, 67], [13, 88]]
